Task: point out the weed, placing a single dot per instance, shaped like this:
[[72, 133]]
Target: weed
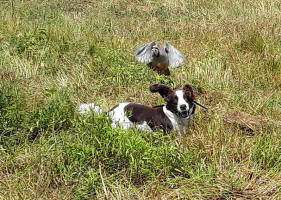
[[266, 153]]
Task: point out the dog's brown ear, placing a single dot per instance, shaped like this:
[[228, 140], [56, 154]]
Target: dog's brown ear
[[163, 90], [188, 91]]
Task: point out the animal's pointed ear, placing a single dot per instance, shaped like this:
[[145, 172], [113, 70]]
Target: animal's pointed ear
[[163, 90], [188, 91]]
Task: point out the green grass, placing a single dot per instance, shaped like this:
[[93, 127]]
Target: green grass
[[55, 55]]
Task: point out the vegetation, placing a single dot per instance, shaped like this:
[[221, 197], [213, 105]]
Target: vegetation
[[56, 54]]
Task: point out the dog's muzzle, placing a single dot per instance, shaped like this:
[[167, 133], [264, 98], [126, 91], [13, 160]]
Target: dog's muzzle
[[188, 113], [184, 114]]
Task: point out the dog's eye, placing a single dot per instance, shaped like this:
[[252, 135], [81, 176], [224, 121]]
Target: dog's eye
[[185, 97]]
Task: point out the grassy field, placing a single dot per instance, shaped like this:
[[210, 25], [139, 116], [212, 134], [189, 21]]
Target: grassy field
[[57, 54]]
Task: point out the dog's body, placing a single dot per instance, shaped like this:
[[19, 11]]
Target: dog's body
[[175, 115]]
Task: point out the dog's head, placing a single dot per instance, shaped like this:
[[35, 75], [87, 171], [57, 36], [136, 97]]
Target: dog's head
[[180, 102]]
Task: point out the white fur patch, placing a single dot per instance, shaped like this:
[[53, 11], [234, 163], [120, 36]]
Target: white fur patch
[[179, 124], [181, 100], [87, 107], [144, 127], [118, 117]]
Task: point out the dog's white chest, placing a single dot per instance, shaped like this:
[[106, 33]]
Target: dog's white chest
[[179, 124]]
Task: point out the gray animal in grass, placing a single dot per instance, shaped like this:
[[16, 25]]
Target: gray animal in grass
[[159, 58]]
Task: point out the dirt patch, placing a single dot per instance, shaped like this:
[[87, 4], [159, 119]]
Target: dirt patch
[[247, 122]]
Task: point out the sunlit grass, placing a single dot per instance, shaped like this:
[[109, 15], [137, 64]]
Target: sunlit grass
[[55, 55]]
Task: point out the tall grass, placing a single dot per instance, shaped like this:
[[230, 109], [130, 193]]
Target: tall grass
[[56, 54]]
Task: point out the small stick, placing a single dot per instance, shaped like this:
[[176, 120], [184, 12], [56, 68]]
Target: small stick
[[200, 105], [104, 188]]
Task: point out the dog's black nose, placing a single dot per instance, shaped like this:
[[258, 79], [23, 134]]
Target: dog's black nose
[[183, 107]]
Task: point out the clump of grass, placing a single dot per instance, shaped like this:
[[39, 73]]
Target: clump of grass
[[12, 110], [267, 152], [29, 42], [56, 114], [273, 64], [252, 42], [142, 158], [19, 122]]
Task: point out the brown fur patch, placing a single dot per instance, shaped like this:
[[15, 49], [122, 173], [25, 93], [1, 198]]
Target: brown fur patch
[[160, 69], [188, 92], [163, 90]]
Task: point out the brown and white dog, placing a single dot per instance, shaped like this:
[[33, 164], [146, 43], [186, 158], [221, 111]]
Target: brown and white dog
[[174, 116]]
